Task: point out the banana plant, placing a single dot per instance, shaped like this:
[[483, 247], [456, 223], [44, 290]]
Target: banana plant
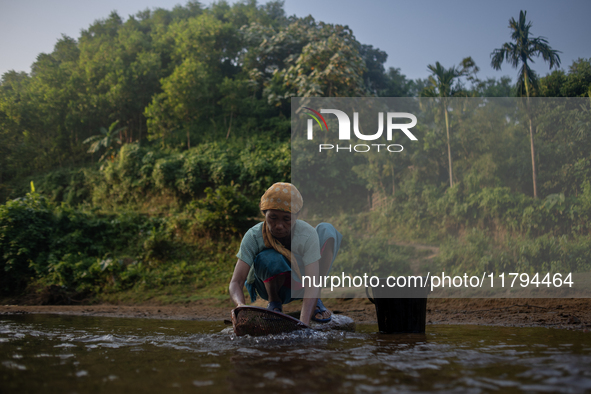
[[107, 139]]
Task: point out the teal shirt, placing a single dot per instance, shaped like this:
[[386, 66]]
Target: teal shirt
[[304, 243]]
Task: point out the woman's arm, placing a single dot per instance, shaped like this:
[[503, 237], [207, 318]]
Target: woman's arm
[[310, 294], [237, 282]]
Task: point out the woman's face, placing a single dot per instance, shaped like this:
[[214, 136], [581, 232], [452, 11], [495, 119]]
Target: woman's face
[[279, 222]]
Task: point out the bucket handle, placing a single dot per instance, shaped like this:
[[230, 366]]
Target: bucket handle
[[368, 297]]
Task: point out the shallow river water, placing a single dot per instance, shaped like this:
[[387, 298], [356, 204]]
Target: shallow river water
[[70, 354]]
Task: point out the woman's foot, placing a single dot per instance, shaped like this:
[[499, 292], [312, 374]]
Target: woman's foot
[[275, 306], [321, 314]]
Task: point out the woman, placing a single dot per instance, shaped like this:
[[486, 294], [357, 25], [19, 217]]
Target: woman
[[271, 248]]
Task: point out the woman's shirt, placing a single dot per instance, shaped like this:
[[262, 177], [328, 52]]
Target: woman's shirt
[[304, 243]]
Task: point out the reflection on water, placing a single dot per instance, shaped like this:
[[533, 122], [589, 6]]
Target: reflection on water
[[42, 353]]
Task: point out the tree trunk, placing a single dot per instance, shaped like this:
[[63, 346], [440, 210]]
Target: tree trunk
[[533, 157], [230, 128], [188, 140], [531, 132], [393, 183], [139, 118], [451, 182]]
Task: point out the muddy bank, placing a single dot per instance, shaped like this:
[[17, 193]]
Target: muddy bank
[[572, 314]]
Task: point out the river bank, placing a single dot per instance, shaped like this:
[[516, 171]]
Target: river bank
[[570, 314]]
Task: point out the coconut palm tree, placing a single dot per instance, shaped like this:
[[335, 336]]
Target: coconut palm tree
[[520, 52], [442, 83]]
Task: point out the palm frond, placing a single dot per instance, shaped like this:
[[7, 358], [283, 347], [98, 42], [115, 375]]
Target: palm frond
[[522, 51]]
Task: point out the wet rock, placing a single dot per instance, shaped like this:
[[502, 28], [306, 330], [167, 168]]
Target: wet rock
[[338, 322]]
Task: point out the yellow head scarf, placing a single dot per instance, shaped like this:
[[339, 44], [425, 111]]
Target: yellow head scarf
[[283, 197]]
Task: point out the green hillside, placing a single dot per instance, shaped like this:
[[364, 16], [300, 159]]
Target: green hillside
[[132, 158]]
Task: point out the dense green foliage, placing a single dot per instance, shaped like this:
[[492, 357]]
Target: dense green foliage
[[178, 78], [150, 140], [43, 244], [63, 245], [138, 172], [575, 83], [495, 229]]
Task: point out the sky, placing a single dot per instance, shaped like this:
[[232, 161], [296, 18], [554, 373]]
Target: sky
[[414, 34]]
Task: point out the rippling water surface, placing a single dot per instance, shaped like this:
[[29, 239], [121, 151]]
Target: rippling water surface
[[67, 354]]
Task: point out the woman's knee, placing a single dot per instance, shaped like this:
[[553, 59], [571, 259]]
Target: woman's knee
[[269, 263], [326, 227]]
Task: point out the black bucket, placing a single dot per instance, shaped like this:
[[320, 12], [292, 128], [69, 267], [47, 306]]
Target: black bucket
[[400, 309]]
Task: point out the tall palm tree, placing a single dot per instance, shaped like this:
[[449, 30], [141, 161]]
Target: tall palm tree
[[520, 52], [442, 83]]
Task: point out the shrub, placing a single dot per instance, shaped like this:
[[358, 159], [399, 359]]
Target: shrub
[[26, 228], [225, 211]]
